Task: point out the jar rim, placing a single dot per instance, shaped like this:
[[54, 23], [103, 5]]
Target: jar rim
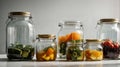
[[51, 36], [93, 40], [109, 20], [20, 13]]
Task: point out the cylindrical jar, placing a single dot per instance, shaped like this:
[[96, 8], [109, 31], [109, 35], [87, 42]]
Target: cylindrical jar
[[93, 50], [70, 31], [74, 51], [109, 32], [20, 36], [46, 47]]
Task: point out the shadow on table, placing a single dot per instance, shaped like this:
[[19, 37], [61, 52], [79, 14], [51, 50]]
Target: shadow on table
[[5, 59]]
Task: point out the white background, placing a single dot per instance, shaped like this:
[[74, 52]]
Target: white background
[[48, 13]]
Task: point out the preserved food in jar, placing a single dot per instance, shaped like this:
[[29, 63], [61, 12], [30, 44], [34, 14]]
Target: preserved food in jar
[[20, 36], [74, 52], [70, 31], [111, 49], [46, 48], [93, 50], [109, 32]]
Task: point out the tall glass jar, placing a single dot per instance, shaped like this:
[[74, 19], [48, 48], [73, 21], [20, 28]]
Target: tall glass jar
[[70, 31], [109, 32], [46, 48], [19, 36]]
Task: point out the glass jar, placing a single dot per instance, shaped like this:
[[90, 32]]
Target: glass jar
[[109, 32], [69, 31], [19, 36], [93, 50], [74, 51], [46, 48]]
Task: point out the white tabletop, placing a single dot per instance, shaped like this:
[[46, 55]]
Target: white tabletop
[[104, 63]]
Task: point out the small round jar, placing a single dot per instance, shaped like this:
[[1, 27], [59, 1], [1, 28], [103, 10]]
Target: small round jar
[[93, 50], [46, 47], [74, 51]]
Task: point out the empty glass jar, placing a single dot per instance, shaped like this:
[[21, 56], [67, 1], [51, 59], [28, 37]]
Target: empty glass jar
[[20, 36], [70, 31]]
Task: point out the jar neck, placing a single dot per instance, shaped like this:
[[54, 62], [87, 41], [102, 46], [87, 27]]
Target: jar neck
[[20, 17], [111, 25], [71, 26], [45, 40]]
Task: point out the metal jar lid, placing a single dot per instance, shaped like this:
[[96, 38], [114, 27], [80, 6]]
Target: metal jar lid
[[109, 20], [49, 36], [20, 13], [93, 40]]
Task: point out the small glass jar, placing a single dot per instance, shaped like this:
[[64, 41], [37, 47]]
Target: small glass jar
[[109, 32], [74, 51], [93, 50], [20, 36], [46, 47], [69, 31]]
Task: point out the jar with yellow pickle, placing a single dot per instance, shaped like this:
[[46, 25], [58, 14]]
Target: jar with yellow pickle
[[93, 50], [70, 31], [46, 47]]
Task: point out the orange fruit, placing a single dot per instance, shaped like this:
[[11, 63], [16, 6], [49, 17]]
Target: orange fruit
[[61, 39], [75, 36], [50, 51], [67, 37], [96, 53]]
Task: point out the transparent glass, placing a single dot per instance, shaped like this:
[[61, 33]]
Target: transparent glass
[[74, 52], [93, 51], [46, 49], [109, 31], [19, 37], [69, 31]]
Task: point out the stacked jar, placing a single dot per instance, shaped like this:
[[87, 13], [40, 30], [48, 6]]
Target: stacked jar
[[19, 36], [109, 32], [70, 40], [46, 48]]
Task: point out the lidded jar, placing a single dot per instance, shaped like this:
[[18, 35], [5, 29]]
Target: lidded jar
[[93, 50], [46, 47], [20, 36], [109, 32], [70, 31], [74, 51]]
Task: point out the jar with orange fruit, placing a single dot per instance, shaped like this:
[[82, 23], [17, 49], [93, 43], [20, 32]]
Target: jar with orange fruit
[[70, 31], [46, 48], [93, 50]]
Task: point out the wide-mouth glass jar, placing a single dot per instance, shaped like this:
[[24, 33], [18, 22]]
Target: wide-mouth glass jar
[[109, 32], [46, 48], [93, 50], [74, 51], [20, 36], [69, 31]]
